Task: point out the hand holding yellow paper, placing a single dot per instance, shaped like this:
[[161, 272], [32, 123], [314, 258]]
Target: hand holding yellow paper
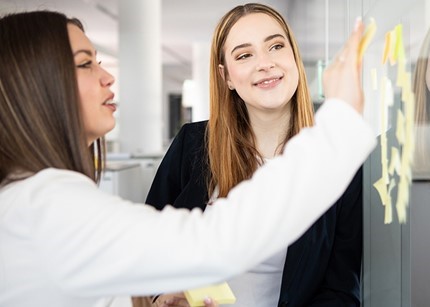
[[368, 35], [220, 293]]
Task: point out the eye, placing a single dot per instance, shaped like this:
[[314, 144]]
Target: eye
[[86, 64], [277, 46], [243, 56]]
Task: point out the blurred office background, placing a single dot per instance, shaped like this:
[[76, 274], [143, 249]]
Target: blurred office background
[[158, 51]]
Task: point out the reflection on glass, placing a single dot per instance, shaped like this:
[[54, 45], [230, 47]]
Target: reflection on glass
[[421, 87]]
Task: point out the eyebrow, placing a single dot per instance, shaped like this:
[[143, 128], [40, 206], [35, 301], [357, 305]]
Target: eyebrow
[[269, 38], [86, 51]]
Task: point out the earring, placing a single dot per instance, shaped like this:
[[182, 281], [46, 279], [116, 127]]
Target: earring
[[230, 87]]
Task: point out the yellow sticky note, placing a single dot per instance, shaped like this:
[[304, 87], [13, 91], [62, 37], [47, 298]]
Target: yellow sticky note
[[402, 200], [399, 50], [395, 164], [221, 293], [367, 38], [381, 187], [387, 47], [406, 88], [392, 47], [401, 74], [388, 213]]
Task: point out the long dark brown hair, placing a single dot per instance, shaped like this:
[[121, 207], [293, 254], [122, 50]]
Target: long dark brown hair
[[232, 153], [40, 114]]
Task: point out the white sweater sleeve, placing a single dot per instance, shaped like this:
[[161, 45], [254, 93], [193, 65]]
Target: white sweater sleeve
[[93, 244]]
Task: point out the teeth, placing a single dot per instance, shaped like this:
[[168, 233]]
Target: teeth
[[269, 81], [110, 101]]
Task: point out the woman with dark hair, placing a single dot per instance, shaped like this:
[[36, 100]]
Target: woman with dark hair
[[63, 242], [259, 100]]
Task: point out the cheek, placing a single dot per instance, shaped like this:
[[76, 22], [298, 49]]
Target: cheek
[[293, 70], [87, 107], [238, 75], [296, 76], [83, 88]]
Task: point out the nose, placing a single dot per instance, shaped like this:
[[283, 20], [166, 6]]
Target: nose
[[106, 78], [265, 63]]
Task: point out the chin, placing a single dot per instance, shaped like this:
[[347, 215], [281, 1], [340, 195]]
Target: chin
[[109, 126]]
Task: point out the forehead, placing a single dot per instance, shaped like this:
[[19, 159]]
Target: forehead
[[253, 26], [78, 39]]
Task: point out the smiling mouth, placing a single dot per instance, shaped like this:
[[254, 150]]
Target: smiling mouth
[[268, 82]]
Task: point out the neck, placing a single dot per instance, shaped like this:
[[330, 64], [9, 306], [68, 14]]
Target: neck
[[270, 130]]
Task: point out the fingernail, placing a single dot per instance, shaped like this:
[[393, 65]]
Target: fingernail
[[357, 23], [208, 300]]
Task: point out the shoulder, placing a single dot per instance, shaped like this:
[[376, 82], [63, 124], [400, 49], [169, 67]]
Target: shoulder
[[49, 188], [356, 185], [191, 135], [51, 177], [195, 128], [65, 182]]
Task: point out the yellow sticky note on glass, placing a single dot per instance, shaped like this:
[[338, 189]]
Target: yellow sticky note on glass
[[221, 293], [387, 47], [399, 50], [367, 38]]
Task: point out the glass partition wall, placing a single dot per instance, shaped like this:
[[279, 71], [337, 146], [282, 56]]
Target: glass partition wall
[[395, 184], [396, 191]]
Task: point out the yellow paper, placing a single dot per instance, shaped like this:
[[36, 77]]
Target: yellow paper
[[392, 47], [367, 38], [401, 74], [221, 293], [399, 50], [395, 164], [402, 200], [381, 187], [387, 48], [406, 86]]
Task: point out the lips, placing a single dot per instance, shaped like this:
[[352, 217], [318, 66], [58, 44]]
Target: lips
[[268, 82], [109, 100], [110, 103]]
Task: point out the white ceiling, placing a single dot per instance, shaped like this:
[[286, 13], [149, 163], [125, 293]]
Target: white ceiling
[[188, 21]]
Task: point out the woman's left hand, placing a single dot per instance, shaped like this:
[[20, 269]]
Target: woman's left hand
[[179, 300]]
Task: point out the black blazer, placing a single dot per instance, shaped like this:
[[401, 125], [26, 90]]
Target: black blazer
[[322, 267]]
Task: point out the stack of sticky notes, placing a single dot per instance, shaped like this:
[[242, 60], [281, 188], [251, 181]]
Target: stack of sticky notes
[[367, 38], [221, 293]]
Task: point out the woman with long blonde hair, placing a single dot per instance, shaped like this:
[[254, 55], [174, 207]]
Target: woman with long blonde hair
[[259, 100]]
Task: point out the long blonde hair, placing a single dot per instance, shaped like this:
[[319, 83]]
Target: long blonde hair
[[230, 140]]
